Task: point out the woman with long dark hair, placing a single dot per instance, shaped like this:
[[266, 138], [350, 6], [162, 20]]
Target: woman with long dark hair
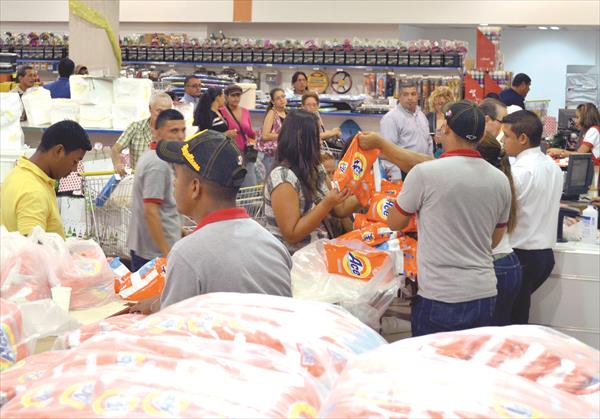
[[299, 83], [208, 113], [298, 199], [587, 120], [508, 270]]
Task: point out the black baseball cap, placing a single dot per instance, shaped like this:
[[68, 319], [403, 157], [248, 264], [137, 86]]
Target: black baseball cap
[[466, 120], [209, 153]]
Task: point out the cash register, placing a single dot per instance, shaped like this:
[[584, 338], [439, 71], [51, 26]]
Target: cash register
[[577, 181]]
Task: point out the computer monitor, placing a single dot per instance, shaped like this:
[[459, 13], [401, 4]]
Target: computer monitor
[[580, 173], [566, 119]]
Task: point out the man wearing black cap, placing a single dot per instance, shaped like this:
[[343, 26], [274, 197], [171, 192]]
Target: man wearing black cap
[[228, 251], [463, 204]]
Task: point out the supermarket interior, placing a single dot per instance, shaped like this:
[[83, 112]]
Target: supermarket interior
[[330, 208]]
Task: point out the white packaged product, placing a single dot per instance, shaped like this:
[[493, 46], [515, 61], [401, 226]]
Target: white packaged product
[[95, 116], [248, 99], [63, 109], [124, 114], [11, 134], [127, 90], [37, 105], [91, 90]]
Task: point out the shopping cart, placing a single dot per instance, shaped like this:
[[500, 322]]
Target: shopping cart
[[335, 152], [251, 198], [108, 211]]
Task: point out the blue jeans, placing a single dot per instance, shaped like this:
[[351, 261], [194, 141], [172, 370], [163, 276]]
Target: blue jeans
[[136, 261], [509, 275], [429, 316]]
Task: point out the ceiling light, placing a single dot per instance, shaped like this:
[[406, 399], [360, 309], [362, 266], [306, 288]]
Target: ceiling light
[[484, 24], [543, 28], [555, 28]]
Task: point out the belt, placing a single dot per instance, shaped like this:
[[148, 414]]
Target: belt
[[500, 256]]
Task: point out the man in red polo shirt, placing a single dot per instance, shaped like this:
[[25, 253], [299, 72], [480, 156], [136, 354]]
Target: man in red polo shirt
[[463, 204], [228, 252]]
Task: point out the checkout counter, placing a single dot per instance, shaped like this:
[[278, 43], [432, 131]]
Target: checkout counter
[[569, 300]]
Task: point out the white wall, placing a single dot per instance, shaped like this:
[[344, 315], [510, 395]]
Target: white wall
[[544, 56]]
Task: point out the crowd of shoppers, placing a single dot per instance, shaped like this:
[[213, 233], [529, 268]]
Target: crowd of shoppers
[[484, 248]]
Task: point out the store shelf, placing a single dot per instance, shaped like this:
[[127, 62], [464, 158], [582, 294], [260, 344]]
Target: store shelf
[[335, 113], [292, 66], [36, 60], [102, 131]]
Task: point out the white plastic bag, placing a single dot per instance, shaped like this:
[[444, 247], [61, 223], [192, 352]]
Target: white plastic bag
[[95, 116], [91, 90], [36, 101], [367, 300], [129, 90], [123, 114], [11, 133], [63, 109]]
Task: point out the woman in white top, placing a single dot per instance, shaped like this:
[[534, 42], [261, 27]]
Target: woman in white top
[[587, 120], [506, 263]]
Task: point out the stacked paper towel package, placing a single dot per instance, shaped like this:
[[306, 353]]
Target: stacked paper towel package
[[96, 102]]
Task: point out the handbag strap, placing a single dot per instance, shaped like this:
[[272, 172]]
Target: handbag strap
[[237, 122]]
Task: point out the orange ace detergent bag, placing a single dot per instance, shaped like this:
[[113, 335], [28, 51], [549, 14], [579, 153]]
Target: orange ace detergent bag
[[342, 259], [355, 171], [371, 234], [147, 282], [381, 203]]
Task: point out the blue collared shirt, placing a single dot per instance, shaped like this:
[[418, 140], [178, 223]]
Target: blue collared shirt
[[59, 89], [408, 130]]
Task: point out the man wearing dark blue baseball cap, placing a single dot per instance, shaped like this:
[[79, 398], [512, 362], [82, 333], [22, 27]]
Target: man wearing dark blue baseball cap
[[228, 251], [463, 204]]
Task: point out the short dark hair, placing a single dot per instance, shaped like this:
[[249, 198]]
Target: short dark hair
[[67, 133], [490, 106], [310, 94], [525, 122], [168, 115], [407, 84], [22, 70], [492, 95], [520, 79], [66, 67], [298, 74], [188, 78], [221, 193]]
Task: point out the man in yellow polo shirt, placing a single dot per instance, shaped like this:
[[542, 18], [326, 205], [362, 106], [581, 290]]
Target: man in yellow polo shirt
[[28, 193]]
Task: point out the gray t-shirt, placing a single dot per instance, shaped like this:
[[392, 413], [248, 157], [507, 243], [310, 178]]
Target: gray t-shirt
[[153, 183], [459, 201], [228, 253]]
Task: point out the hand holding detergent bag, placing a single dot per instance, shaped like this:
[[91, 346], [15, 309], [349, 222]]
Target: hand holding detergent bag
[[355, 171]]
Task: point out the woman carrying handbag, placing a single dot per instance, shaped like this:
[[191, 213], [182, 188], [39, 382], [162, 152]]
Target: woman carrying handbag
[[238, 118]]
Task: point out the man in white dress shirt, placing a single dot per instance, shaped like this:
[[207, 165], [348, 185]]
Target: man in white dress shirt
[[406, 126], [538, 187]]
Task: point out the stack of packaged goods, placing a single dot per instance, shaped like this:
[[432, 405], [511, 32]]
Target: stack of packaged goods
[[359, 270], [221, 354], [513, 371]]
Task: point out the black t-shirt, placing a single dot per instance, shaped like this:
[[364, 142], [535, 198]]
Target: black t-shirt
[[216, 123], [510, 97]]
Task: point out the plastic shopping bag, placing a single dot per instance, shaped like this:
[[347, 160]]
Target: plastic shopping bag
[[367, 300], [12, 340]]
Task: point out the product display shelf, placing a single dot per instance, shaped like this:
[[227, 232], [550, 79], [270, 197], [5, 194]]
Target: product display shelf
[[36, 60], [335, 113], [105, 131], [269, 65]]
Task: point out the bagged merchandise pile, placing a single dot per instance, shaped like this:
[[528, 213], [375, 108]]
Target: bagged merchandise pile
[[31, 266], [514, 371], [225, 354], [360, 269]]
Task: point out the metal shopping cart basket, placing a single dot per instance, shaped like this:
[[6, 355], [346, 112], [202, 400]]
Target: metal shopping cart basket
[[250, 198], [108, 211]]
